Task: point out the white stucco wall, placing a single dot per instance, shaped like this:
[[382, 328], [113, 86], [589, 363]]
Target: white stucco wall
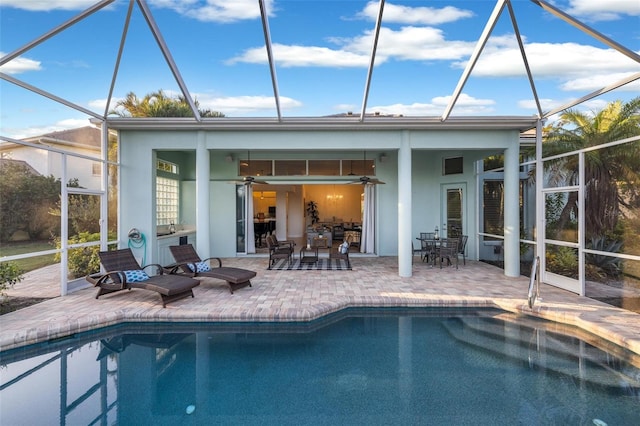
[[429, 147]]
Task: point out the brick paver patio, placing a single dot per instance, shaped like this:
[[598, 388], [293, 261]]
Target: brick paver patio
[[308, 295]]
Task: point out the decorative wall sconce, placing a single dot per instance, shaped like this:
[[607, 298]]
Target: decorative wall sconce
[[383, 157], [229, 158]]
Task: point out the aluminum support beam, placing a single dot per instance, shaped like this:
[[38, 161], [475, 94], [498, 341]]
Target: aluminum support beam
[[167, 56], [491, 23], [372, 61], [269, 48]]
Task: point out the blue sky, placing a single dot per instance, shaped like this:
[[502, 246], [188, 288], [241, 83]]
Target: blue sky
[[321, 51]]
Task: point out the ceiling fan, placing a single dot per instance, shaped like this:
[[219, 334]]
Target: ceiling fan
[[366, 180], [248, 180]]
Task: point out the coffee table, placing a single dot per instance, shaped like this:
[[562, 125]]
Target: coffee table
[[309, 254]]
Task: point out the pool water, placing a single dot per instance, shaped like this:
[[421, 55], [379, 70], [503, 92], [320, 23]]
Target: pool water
[[372, 367]]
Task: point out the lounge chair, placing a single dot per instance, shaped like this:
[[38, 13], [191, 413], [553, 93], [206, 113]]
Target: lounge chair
[[124, 273], [189, 263]]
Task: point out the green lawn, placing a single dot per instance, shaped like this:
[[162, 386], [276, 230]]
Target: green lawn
[[31, 263]]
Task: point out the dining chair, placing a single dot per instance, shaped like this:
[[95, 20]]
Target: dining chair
[[448, 250], [427, 240], [462, 246]]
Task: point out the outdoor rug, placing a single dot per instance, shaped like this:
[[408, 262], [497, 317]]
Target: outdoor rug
[[323, 264]]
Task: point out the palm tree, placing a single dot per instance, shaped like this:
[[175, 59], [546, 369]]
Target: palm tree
[[612, 175], [158, 104]]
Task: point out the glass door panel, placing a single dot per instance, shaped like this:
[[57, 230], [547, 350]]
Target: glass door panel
[[453, 210]]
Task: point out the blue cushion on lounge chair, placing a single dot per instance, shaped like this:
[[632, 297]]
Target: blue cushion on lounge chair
[[199, 266], [135, 276]]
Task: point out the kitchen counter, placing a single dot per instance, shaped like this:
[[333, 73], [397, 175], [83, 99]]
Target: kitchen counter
[[186, 231]]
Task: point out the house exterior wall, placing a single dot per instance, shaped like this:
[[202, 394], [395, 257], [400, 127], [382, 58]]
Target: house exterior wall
[[140, 148], [49, 163]]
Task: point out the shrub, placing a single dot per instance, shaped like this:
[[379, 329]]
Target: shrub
[[599, 266], [562, 260], [82, 260], [10, 274]]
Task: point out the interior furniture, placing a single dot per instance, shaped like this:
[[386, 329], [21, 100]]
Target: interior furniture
[[189, 263], [261, 230], [337, 231], [354, 236], [321, 241], [124, 273], [325, 233]]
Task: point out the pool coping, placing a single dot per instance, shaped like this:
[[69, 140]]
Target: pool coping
[[286, 296], [61, 329]]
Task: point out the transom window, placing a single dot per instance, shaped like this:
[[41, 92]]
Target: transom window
[[167, 166], [314, 167]]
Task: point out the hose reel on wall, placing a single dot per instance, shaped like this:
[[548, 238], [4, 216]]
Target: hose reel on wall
[[137, 241]]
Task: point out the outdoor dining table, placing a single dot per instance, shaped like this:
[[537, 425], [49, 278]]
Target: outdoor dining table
[[434, 244]]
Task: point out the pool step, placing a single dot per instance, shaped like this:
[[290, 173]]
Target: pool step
[[530, 343]]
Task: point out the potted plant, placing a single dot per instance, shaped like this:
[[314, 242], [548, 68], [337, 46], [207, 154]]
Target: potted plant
[[312, 211]]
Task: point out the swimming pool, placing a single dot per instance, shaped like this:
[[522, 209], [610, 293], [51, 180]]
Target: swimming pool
[[382, 366]]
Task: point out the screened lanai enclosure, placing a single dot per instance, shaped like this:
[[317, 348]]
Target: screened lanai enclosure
[[440, 155]]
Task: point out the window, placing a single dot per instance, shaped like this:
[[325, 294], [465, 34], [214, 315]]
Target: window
[[324, 167], [167, 166], [452, 166], [167, 196], [307, 168], [493, 207]]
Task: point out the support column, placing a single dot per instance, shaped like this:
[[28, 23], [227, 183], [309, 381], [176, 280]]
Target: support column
[[404, 207], [202, 197], [512, 211], [540, 222]]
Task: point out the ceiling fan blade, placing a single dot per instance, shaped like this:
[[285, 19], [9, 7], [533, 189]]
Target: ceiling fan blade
[[248, 180], [366, 180], [375, 182]]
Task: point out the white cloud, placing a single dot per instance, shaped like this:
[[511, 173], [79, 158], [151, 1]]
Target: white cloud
[[46, 5], [598, 10], [240, 105], [420, 43], [549, 60], [598, 81], [223, 11], [35, 130], [408, 43], [19, 65], [465, 105], [394, 13], [229, 105], [303, 56], [550, 104]]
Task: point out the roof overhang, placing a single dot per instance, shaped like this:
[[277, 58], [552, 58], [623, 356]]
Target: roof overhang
[[324, 123]]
